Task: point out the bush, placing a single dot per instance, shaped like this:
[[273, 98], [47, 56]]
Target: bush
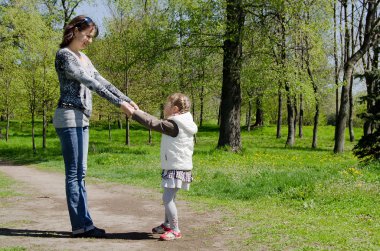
[[368, 147]]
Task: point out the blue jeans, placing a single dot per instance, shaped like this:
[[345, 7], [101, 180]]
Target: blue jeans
[[74, 144]]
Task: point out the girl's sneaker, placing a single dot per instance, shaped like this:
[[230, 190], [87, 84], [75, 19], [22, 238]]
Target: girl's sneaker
[[160, 229], [170, 235]]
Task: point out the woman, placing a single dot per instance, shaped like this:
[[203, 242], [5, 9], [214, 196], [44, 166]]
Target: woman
[[78, 77]]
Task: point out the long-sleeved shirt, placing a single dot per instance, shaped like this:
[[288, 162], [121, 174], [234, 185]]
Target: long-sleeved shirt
[[77, 78], [168, 127]]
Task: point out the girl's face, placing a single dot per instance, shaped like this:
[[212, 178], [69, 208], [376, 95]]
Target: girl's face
[[170, 110], [83, 38]]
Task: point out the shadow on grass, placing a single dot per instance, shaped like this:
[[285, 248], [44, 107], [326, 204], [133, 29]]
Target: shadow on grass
[[65, 234], [296, 148], [24, 155]]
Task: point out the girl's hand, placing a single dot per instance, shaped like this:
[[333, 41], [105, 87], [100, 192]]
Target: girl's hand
[[134, 105], [127, 109]]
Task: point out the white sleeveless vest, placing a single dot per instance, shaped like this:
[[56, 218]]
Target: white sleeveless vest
[[177, 152]]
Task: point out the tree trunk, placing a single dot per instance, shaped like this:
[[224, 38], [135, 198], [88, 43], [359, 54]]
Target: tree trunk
[[127, 137], [350, 94], [33, 135], [315, 88], [279, 112], [300, 125], [119, 123], [150, 137], [249, 115], [344, 104], [295, 114], [259, 111], [291, 116], [7, 107], [69, 8], [373, 65], [351, 111], [219, 112], [289, 104], [109, 128], [336, 69], [192, 103], [343, 112], [367, 128], [229, 133], [32, 105], [314, 144], [315, 127], [348, 70], [7, 127], [44, 125], [201, 107], [126, 84]]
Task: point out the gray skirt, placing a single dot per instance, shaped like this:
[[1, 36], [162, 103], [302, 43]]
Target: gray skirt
[[176, 179]]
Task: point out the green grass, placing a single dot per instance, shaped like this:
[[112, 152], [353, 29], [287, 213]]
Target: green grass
[[7, 187], [279, 198], [13, 249]]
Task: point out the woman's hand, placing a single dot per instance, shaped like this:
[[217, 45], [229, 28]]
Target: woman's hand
[[134, 105], [127, 108]]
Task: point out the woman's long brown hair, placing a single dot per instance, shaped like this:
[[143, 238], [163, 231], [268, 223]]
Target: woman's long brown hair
[[81, 22]]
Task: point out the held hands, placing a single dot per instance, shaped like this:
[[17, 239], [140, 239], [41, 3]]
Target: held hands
[[134, 105], [128, 108]]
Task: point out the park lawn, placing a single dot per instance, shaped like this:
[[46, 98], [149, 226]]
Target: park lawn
[[13, 249], [7, 188], [277, 198]]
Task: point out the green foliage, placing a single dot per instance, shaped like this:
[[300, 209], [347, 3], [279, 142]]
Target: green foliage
[[368, 147], [28, 47], [278, 36]]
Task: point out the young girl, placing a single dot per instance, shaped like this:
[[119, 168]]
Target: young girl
[[178, 129]]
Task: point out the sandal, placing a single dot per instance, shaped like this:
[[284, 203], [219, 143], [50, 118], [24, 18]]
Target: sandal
[[170, 235], [160, 229]]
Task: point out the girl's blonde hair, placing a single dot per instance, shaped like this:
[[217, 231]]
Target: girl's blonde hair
[[181, 101]]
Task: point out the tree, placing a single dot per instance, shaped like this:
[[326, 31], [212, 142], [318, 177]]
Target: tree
[[368, 147], [38, 47], [198, 26], [315, 53], [58, 10], [371, 29], [370, 65], [136, 39], [229, 134], [9, 80], [259, 75], [30, 45], [336, 62], [49, 84]]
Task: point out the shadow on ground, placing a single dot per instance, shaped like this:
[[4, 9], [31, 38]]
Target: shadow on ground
[[65, 234]]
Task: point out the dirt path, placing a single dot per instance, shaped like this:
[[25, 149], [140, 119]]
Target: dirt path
[[38, 219]]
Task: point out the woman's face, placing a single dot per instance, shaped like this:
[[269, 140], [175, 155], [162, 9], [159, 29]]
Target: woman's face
[[83, 38]]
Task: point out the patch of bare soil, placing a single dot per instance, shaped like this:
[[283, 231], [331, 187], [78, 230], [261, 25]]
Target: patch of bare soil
[[38, 218]]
